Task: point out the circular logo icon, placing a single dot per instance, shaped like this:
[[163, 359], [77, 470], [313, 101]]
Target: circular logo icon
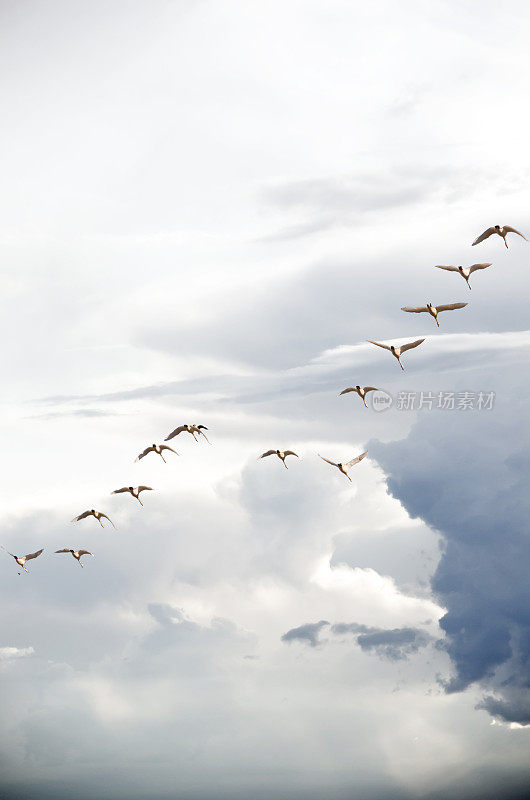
[[381, 400]]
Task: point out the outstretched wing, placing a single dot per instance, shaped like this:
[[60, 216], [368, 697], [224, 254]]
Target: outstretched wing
[[167, 447], [145, 452], [109, 519], [65, 550], [411, 345], [120, 491], [82, 516], [290, 453], [175, 432], [268, 453], [370, 389], [449, 269], [356, 460], [509, 229], [33, 555], [385, 346], [333, 464], [450, 306], [483, 236], [85, 553], [415, 309], [349, 389], [478, 266], [199, 430], [145, 489]]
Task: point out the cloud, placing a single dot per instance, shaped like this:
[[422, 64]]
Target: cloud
[[305, 633]]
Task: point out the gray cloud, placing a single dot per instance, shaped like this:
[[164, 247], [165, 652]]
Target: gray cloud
[[306, 633]]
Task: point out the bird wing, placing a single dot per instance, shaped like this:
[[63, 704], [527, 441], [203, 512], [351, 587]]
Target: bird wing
[[385, 346], [356, 459], [349, 389], [120, 491], [474, 267], [410, 345], [201, 432], [483, 236], [449, 269], [85, 553], [415, 309], [145, 452], [65, 550], [450, 306], [509, 229], [175, 432], [144, 488], [333, 464], [167, 447], [290, 453], [109, 519], [82, 516], [33, 555], [370, 389], [268, 453]]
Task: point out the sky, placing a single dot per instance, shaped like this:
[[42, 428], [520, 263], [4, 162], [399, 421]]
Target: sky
[[208, 208]]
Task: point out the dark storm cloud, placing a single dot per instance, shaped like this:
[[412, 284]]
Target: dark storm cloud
[[467, 476], [305, 633]]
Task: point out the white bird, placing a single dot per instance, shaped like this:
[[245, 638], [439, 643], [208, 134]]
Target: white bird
[[360, 390], [193, 429], [21, 560], [97, 514], [156, 448], [433, 310], [502, 231], [397, 351], [344, 467], [134, 491], [465, 272], [282, 455], [76, 554]]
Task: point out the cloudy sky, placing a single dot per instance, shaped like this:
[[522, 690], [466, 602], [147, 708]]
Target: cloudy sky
[[207, 209]]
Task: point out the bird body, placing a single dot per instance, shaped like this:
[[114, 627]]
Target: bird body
[[282, 455], [501, 230], [193, 429], [344, 467], [97, 514], [21, 560], [134, 491], [433, 310], [156, 448], [465, 272], [362, 391], [76, 553], [397, 351]]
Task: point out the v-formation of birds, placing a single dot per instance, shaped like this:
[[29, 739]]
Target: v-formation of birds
[[197, 431]]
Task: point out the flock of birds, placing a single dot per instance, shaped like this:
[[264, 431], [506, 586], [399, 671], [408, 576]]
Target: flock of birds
[[197, 431]]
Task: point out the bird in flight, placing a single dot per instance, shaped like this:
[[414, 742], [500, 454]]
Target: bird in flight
[[134, 491], [21, 560], [99, 515], [156, 448], [193, 429], [397, 351], [433, 310], [501, 230], [282, 455], [344, 467], [465, 272], [76, 554], [360, 390]]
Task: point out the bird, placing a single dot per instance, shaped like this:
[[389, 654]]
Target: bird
[[360, 390], [501, 230], [193, 429], [156, 448], [281, 455], [76, 553], [97, 514], [21, 560], [345, 467], [134, 491], [465, 272], [397, 351], [433, 310]]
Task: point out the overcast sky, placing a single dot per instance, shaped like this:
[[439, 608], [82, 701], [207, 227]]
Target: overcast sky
[[207, 209]]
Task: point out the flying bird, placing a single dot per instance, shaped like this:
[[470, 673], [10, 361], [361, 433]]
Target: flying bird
[[97, 514], [360, 390], [465, 272], [344, 467], [76, 554], [193, 429], [156, 448], [397, 351], [134, 491], [433, 310], [282, 455], [21, 560], [502, 231]]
